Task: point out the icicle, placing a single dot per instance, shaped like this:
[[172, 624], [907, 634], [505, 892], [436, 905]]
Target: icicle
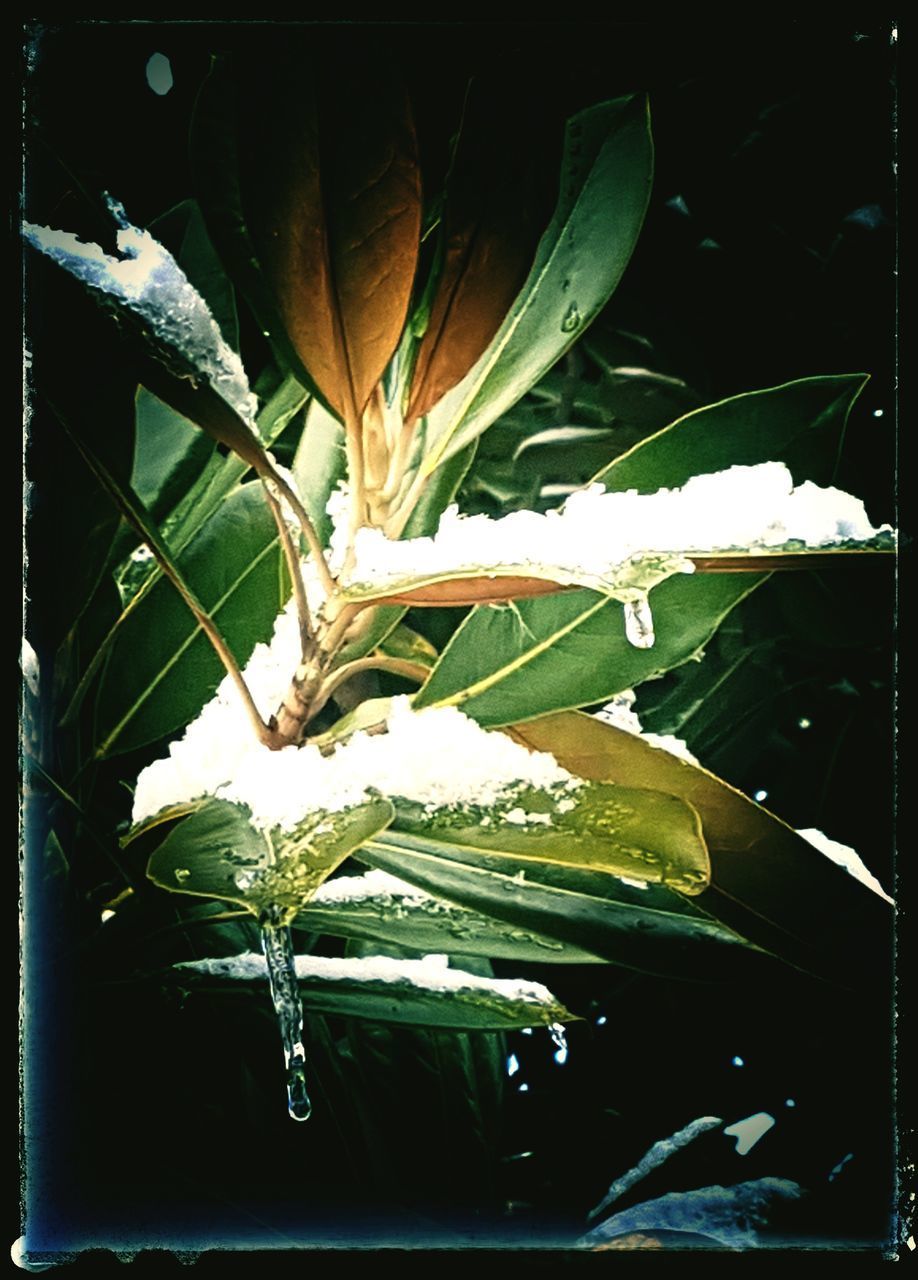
[[639, 623], [285, 993]]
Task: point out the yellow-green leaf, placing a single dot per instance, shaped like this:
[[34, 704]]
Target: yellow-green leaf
[[642, 835], [767, 883], [217, 853]]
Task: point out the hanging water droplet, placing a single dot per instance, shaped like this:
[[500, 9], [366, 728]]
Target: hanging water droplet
[[571, 319], [277, 944], [639, 623], [557, 1032], [513, 1064]]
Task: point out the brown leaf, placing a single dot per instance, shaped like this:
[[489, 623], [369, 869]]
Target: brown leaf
[[333, 201], [767, 883], [491, 231], [470, 591], [750, 562]]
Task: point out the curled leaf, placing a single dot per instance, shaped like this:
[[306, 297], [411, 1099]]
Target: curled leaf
[[330, 195]]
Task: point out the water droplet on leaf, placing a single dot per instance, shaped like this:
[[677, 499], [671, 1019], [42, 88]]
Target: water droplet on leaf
[[639, 623], [571, 319]]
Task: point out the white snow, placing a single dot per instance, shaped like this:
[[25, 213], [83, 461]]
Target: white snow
[[846, 857], [148, 281], [743, 507], [437, 757], [351, 890], [620, 713], [428, 974]]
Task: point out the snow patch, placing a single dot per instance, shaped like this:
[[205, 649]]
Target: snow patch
[[743, 507], [620, 713], [374, 885], [148, 281], [438, 758], [844, 856], [428, 974]]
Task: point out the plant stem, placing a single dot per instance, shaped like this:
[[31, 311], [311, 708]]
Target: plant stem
[[382, 662], [399, 517], [307, 634], [358, 498], [267, 472]]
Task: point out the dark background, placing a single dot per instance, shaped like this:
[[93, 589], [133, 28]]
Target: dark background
[[767, 255]]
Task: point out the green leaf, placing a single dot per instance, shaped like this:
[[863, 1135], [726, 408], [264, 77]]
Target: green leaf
[[319, 463], [641, 834], [801, 423], [222, 476], [438, 494], [767, 883], [605, 187], [410, 645], [217, 853], [161, 668], [169, 453], [426, 1091], [506, 664], [218, 480], [349, 989], [425, 923], [568, 651], [653, 929]]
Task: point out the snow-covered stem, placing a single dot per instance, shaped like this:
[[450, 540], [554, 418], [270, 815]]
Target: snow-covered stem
[[335, 636], [307, 634]]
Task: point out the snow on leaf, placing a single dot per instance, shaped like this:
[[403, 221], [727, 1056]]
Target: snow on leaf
[[216, 852], [416, 992], [619, 544], [148, 283]]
